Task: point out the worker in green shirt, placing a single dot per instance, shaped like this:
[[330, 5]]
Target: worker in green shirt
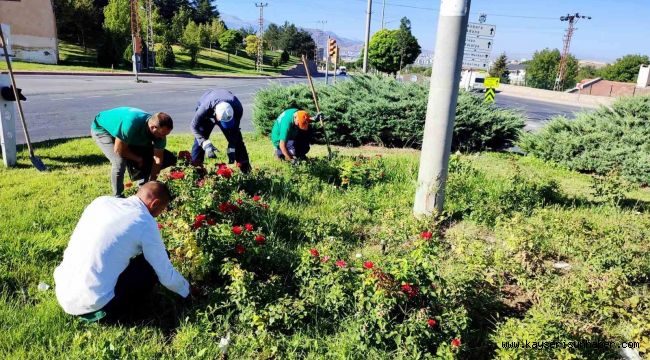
[[133, 139], [290, 135]]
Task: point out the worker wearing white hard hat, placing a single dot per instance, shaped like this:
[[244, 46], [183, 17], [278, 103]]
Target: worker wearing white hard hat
[[219, 107]]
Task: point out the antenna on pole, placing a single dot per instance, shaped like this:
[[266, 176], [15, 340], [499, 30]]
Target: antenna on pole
[[561, 73], [260, 42]]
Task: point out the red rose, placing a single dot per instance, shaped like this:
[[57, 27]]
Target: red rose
[[313, 252], [224, 171], [240, 201], [410, 290], [341, 263], [237, 230], [455, 342], [128, 184], [211, 221], [325, 259], [226, 207], [432, 322], [249, 227], [426, 235], [260, 239], [200, 218], [160, 226], [368, 265], [177, 175], [240, 249], [257, 198]]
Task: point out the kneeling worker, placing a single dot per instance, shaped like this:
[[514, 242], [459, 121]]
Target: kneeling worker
[[116, 256], [221, 108], [290, 135], [134, 139]]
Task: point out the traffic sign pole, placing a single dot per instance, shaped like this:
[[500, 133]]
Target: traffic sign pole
[[327, 61], [441, 107]]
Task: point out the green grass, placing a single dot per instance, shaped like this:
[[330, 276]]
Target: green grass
[[39, 212], [210, 62]]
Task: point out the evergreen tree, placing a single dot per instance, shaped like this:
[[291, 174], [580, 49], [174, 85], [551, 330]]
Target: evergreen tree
[[204, 11], [409, 48], [500, 69]]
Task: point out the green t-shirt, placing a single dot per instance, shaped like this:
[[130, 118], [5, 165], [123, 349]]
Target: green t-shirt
[[127, 124], [284, 128]]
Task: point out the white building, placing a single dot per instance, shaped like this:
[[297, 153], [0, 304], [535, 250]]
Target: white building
[[517, 74]]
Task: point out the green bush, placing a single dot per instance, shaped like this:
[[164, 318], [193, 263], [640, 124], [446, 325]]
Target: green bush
[[165, 56], [603, 141], [375, 110]]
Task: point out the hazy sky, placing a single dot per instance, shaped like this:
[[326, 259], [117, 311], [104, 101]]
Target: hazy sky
[[617, 27]]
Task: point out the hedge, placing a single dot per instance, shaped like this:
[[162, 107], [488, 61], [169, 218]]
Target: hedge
[[382, 111]]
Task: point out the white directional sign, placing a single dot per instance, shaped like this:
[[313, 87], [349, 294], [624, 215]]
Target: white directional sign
[[481, 29], [479, 56], [475, 64], [478, 44]]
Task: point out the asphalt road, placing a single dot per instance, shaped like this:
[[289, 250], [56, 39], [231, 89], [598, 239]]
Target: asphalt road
[[63, 106]]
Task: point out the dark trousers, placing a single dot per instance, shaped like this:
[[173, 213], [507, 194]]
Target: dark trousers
[[236, 148], [134, 285], [298, 147], [118, 164]]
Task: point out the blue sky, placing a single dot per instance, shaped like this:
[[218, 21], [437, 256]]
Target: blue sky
[[617, 27]]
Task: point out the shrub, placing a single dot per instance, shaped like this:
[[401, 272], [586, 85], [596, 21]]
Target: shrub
[[165, 56], [375, 110], [603, 141], [284, 57]]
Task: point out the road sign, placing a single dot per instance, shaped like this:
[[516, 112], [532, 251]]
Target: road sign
[[478, 44], [481, 29], [489, 95], [483, 65], [478, 56], [491, 82]]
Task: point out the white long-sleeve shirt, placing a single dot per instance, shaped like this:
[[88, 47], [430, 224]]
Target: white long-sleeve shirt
[[110, 232]]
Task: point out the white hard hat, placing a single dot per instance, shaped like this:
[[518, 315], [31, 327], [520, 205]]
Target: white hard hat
[[224, 112]]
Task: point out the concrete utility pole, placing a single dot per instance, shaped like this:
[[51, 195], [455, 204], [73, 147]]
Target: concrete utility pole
[[441, 107], [383, 12], [151, 44], [136, 40], [260, 43], [561, 73], [365, 49]]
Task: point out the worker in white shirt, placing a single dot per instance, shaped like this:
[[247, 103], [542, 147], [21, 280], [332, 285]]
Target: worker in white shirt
[[116, 256]]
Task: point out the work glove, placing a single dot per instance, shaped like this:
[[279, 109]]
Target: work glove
[[210, 150]]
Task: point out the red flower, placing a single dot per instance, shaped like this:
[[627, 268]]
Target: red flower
[[341, 263], [200, 217], [455, 342], [260, 239], [432, 322], [240, 249], [211, 221], [160, 226], [257, 198], [177, 175], [240, 201], [426, 235], [266, 206], [200, 182], [325, 259], [410, 290], [313, 252], [368, 265], [185, 155], [128, 184], [224, 171], [226, 207], [237, 230], [249, 227]]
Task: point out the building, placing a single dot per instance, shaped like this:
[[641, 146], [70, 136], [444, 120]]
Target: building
[[601, 87], [517, 74], [32, 29]]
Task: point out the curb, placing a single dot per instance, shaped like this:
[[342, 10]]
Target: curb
[[74, 73]]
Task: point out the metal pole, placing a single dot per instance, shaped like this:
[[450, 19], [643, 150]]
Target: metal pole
[[365, 48], [327, 61], [441, 107]]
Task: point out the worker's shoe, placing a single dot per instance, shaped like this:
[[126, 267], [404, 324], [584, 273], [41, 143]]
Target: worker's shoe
[[93, 316]]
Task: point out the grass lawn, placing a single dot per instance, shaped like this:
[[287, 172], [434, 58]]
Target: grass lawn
[[510, 221], [210, 62]]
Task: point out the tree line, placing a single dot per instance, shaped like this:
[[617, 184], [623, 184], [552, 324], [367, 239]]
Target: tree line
[[192, 24]]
